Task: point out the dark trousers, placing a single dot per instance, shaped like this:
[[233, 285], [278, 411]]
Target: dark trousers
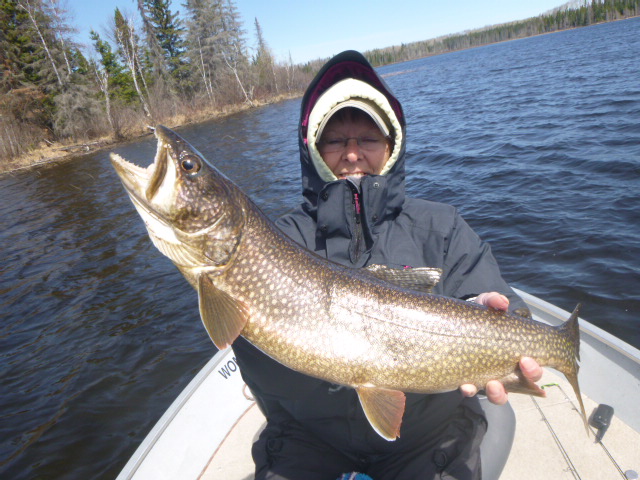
[[287, 451]]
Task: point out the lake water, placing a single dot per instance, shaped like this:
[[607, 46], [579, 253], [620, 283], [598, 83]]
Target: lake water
[[536, 141]]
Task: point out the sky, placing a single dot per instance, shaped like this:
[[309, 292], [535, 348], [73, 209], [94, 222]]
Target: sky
[[308, 30]]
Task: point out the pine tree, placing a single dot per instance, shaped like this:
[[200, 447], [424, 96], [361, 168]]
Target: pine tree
[[43, 31], [120, 82], [168, 33], [204, 23], [215, 46], [154, 50], [17, 50], [264, 62]]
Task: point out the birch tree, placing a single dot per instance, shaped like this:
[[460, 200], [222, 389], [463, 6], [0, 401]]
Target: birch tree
[[102, 80], [232, 47], [61, 30], [127, 42], [33, 9]]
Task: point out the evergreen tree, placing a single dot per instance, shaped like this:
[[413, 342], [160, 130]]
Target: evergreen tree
[[120, 82], [264, 62], [168, 32], [43, 34], [154, 50], [17, 49], [24, 107], [204, 26]]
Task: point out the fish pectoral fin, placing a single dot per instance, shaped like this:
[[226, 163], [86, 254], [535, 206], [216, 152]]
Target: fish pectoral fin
[[222, 315], [422, 279], [384, 409], [516, 382]]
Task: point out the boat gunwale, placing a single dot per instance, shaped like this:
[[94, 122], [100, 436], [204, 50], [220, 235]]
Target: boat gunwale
[[155, 434]]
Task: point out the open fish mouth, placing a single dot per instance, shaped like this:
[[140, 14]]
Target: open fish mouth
[[143, 183]]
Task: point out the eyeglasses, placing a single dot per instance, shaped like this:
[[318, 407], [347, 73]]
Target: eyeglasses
[[367, 143]]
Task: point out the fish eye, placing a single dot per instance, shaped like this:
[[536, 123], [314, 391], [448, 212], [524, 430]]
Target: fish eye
[[190, 164]]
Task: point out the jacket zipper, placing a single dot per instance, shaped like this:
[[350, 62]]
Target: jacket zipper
[[358, 218]]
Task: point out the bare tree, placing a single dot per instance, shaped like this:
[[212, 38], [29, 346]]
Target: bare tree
[[291, 71], [231, 45], [102, 79], [215, 46], [232, 60], [60, 28], [204, 71]]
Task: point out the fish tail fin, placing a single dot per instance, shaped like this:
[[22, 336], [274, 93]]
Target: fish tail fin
[[569, 332]]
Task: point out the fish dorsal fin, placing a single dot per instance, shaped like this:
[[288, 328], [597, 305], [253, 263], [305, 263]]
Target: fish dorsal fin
[[222, 315], [422, 279], [384, 409]]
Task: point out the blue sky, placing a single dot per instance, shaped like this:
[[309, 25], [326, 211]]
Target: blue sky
[[318, 29]]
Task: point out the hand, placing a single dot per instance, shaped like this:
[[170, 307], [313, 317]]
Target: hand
[[493, 300], [494, 389]]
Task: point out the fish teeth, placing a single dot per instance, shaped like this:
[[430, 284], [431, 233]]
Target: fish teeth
[[138, 171]]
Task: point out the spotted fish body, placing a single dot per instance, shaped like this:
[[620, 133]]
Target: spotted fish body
[[346, 326]]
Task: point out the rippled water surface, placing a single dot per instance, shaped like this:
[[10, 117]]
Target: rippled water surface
[[536, 141]]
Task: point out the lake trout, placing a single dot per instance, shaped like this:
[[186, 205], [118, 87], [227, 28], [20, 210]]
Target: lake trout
[[371, 330]]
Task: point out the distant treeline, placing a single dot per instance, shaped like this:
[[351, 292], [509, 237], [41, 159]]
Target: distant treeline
[[155, 66], [563, 18]]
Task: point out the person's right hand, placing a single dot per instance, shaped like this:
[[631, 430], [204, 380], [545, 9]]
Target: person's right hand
[[495, 391]]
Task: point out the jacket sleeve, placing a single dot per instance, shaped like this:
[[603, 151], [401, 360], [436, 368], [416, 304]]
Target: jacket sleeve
[[470, 268]]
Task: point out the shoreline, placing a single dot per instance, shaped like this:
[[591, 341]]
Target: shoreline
[[60, 151], [497, 42]]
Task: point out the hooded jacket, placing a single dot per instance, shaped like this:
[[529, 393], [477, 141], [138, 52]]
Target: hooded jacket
[[374, 223]]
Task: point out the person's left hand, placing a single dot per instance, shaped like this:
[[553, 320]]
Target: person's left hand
[[494, 389]]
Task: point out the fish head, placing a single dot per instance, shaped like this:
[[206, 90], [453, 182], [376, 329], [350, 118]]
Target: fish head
[[193, 213]]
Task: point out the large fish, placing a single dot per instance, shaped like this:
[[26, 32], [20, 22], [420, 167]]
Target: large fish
[[347, 326]]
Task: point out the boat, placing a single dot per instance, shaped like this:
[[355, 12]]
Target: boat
[[208, 430]]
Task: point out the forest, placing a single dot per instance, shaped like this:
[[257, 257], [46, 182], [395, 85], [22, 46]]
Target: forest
[[156, 66]]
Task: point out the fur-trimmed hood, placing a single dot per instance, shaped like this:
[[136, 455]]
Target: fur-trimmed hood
[[349, 75]]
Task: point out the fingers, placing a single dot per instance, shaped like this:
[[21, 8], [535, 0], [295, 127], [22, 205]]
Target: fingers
[[494, 390], [468, 390], [530, 369], [493, 300], [496, 393]]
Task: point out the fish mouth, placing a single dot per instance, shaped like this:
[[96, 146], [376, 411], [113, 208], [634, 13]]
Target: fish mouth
[[141, 183]]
